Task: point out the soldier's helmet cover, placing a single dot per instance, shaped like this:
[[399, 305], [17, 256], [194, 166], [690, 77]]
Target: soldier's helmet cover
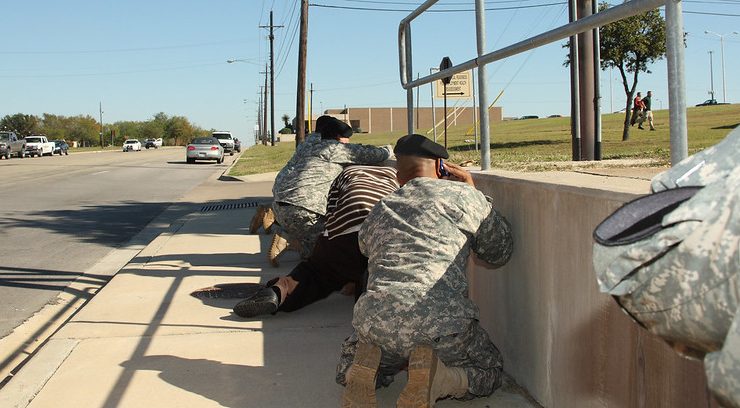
[[331, 127], [419, 146]]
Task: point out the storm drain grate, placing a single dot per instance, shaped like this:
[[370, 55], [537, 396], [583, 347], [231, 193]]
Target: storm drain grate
[[229, 206]]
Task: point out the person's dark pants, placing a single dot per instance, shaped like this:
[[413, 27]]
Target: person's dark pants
[[332, 264]]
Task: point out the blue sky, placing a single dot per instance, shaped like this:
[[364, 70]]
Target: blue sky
[[142, 57]]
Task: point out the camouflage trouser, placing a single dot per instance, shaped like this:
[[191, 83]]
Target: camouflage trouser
[[300, 224], [471, 350]]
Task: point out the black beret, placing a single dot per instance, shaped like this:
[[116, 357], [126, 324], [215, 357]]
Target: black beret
[[418, 145], [320, 122], [331, 128]]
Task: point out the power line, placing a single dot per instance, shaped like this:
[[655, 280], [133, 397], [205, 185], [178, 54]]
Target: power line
[[113, 72], [706, 13], [114, 50], [435, 11]]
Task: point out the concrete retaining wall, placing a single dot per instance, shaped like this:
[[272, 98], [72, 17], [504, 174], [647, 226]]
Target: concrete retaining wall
[[565, 342]]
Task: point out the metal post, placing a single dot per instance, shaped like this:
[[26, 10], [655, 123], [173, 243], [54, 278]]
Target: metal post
[[597, 87], [417, 103], [475, 121], [711, 76], [444, 84], [485, 134], [434, 112], [101, 124], [410, 91], [676, 81], [722, 58], [586, 80], [575, 104]]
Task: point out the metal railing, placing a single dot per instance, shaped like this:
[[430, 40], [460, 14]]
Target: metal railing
[[674, 56]]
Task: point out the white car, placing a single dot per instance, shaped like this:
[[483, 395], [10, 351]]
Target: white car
[[132, 144]]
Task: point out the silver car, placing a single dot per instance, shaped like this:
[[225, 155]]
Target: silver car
[[204, 148]]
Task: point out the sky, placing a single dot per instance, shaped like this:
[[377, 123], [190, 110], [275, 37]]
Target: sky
[[141, 57]]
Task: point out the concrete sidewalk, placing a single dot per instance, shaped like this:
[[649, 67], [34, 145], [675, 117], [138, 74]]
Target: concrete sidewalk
[[143, 340]]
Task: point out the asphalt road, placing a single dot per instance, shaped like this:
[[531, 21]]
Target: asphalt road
[[62, 214]]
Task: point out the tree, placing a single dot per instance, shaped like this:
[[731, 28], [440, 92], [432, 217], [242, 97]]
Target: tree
[[22, 124], [631, 45]]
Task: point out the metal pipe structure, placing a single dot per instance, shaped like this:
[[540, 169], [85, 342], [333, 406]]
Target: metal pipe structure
[[434, 114], [676, 81], [674, 45], [410, 90], [485, 131], [610, 15]]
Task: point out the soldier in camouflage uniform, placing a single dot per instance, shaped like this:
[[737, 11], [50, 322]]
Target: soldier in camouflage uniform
[[681, 280], [416, 311], [301, 187]]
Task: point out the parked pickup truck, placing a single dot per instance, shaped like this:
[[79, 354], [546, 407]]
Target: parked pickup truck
[[12, 145], [226, 141], [37, 145]]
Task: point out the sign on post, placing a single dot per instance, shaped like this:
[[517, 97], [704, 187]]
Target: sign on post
[[459, 86]]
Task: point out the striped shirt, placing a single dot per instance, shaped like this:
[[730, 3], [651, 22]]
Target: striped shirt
[[353, 194]]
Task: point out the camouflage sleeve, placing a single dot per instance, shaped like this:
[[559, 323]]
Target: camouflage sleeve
[[493, 241], [723, 368], [349, 153]]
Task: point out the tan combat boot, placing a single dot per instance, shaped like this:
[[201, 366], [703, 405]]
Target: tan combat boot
[[277, 246], [360, 389], [257, 219], [268, 218], [430, 380]]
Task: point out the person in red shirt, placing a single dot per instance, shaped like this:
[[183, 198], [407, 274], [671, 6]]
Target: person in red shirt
[[637, 110]]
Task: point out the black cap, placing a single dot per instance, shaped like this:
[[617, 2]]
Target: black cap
[[331, 128], [420, 146], [320, 122]]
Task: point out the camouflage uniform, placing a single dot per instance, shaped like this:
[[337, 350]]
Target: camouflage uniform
[[301, 187], [418, 240], [681, 283]]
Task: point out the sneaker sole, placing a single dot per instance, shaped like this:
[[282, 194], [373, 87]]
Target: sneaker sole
[[422, 368], [360, 389]]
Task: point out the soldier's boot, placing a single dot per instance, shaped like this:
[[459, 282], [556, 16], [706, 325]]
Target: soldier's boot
[[430, 380], [268, 299], [268, 219], [277, 247], [361, 375], [257, 219]]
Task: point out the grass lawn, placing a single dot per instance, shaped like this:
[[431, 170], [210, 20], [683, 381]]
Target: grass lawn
[[531, 144]]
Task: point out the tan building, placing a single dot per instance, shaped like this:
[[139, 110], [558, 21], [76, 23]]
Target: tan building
[[376, 120]]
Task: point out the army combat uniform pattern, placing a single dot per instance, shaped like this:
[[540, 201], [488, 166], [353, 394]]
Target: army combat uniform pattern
[[418, 240], [302, 186], [682, 282]]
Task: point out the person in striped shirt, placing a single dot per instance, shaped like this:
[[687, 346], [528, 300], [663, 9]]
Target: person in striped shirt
[[336, 260]]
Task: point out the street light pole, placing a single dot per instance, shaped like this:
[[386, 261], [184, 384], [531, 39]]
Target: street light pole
[[711, 76], [722, 57]]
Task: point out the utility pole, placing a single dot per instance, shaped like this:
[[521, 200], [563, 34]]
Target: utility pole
[[272, 80], [300, 130], [260, 128], [101, 124], [711, 76]]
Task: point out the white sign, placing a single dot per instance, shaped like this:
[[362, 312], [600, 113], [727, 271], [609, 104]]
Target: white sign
[[459, 86]]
